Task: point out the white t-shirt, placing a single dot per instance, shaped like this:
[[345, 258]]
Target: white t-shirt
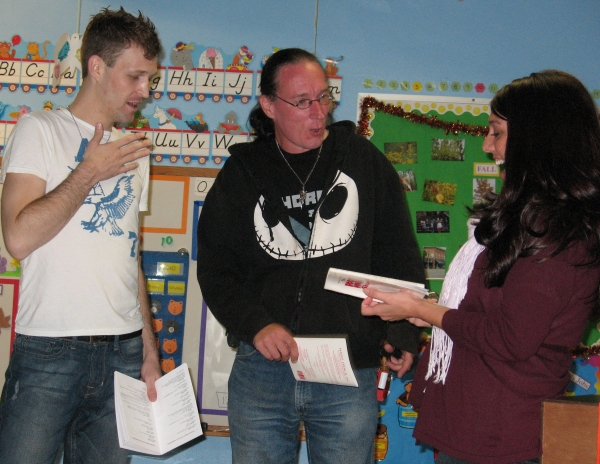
[[85, 280]]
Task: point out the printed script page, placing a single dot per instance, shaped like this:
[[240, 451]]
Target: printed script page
[[135, 418], [323, 360], [160, 426], [176, 411]]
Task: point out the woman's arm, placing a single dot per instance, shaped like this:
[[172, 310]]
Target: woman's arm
[[400, 305]]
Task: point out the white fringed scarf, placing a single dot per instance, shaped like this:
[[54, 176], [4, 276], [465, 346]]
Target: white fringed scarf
[[453, 291]]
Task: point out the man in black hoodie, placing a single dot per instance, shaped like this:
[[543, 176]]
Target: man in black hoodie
[[304, 196]]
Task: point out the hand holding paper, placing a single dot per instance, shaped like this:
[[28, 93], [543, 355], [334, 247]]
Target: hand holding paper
[[160, 426], [401, 305], [323, 360]]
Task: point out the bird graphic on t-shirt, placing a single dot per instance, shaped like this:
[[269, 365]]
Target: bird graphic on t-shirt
[[110, 208]]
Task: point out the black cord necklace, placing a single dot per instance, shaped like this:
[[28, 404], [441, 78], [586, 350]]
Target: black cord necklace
[[84, 141], [302, 189]]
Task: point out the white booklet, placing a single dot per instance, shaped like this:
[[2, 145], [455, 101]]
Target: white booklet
[[352, 283], [324, 360], [160, 426]]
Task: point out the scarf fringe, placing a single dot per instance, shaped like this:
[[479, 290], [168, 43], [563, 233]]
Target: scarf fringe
[[453, 292]]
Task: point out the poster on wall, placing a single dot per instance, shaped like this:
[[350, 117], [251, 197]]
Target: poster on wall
[[393, 441], [435, 145], [215, 356], [180, 117], [9, 298], [166, 280], [214, 365]]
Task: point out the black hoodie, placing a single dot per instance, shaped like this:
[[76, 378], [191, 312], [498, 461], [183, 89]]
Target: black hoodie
[[254, 270]]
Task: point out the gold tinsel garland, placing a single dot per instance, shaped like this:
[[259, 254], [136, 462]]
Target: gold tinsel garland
[[585, 352], [434, 121]]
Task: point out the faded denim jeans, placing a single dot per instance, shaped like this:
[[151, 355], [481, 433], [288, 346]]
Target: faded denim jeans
[[60, 392], [266, 405]]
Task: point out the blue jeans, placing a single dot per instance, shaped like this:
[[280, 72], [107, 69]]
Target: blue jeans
[[266, 405], [60, 391]]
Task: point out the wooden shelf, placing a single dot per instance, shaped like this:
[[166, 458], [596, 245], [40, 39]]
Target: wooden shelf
[[183, 171], [217, 431]]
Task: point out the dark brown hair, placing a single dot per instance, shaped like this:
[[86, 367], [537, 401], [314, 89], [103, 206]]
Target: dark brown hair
[[551, 195], [262, 126], [110, 32]]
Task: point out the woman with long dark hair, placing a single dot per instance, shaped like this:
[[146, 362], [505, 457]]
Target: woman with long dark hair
[[524, 284]]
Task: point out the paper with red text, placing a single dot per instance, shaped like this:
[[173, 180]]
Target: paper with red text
[[352, 283], [323, 360]]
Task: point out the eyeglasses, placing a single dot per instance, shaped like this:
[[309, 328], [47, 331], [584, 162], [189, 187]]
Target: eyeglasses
[[305, 103]]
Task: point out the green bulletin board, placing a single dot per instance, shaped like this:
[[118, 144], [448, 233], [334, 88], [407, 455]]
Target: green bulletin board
[[442, 173]]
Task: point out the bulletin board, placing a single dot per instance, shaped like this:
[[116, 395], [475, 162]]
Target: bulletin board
[[411, 131], [435, 144]]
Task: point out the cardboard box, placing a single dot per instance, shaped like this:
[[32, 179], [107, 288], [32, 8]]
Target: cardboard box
[[570, 430]]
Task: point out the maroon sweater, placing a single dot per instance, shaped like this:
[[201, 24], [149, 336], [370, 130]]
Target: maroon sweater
[[510, 354]]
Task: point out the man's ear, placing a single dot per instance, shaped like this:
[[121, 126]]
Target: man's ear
[[96, 66], [267, 105]]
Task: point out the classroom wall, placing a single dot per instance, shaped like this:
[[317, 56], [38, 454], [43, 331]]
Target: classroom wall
[[414, 47], [426, 41]]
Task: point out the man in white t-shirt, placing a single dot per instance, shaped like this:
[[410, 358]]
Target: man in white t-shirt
[[73, 190]]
